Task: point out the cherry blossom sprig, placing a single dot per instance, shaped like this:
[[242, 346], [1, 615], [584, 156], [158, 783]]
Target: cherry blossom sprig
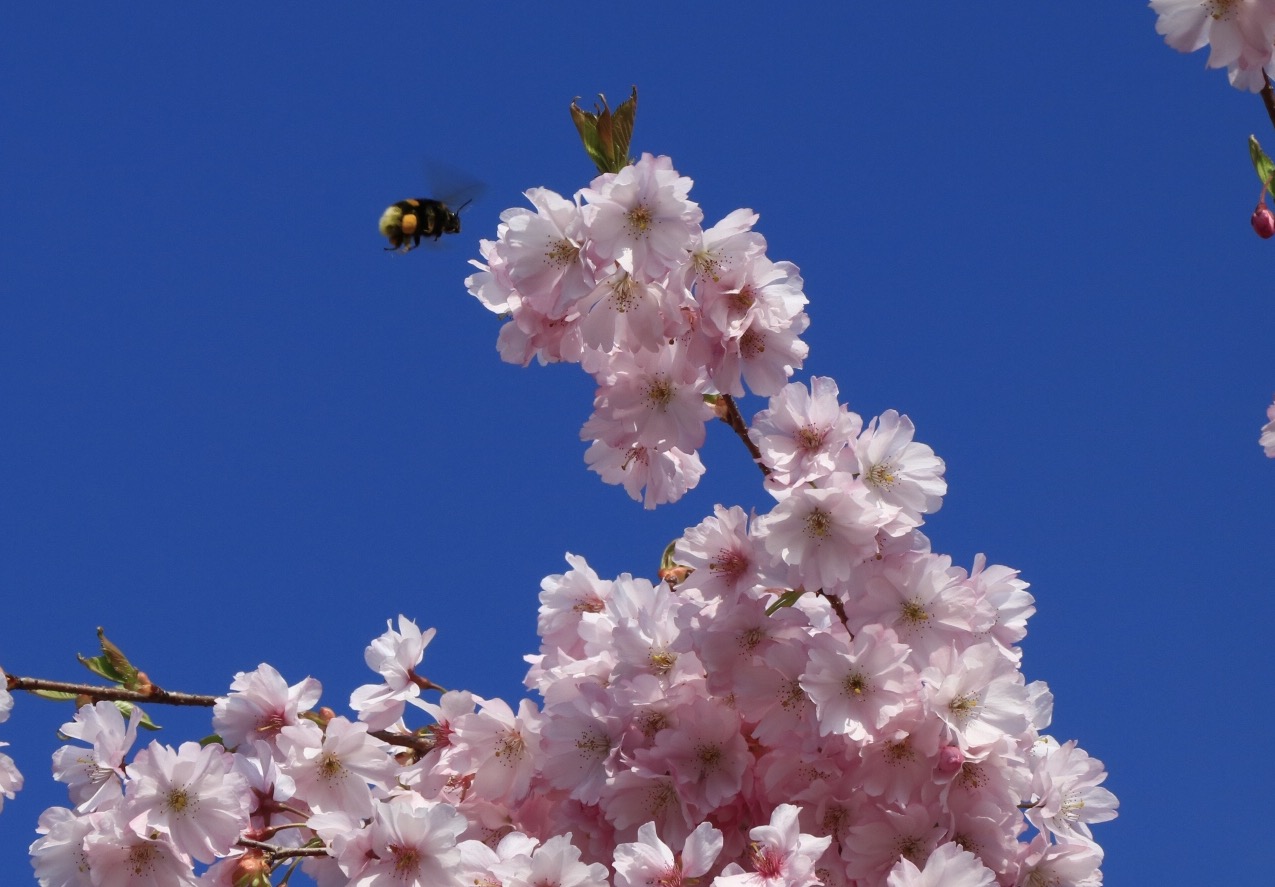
[[667, 317], [808, 696], [1240, 35]]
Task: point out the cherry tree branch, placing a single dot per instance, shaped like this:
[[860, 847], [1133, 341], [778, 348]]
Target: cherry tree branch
[[153, 694], [1268, 98], [274, 853], [728, 411]]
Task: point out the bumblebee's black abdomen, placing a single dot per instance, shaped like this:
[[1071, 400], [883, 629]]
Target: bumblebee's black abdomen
[[407, 221]]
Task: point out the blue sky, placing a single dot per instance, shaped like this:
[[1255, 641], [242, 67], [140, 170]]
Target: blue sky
[[235, 430]]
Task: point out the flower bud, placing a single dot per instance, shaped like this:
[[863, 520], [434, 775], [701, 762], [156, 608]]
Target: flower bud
[[950, 759], [1263, 220], [251, 870]]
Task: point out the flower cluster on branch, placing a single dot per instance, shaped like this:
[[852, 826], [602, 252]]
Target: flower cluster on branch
[[809, 696]]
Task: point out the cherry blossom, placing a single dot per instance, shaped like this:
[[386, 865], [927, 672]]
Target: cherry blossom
[[335, 766], [650, 476], [1239, 34], [948, 866], [650, 861], [780, 855], [859, 687], [393, 655], [260, 704], [190, 794], [58, 854], [1074, 865], [117, 856], [96, 779], [1070, 797], [802, 430], [640, 217], [411, 843], [1267, 440], [807, 696], [11, 778], [824, 533], [897, 470], [6, 698]]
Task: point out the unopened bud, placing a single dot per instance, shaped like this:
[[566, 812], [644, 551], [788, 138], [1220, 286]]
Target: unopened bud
[[950, 759], [1263, 220], [251, 870]]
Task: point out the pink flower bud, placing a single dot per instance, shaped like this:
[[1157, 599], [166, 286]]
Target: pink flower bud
[[950, 759], [1263, 220]]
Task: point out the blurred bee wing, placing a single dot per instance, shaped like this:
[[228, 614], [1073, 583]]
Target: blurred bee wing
[[452, 185]]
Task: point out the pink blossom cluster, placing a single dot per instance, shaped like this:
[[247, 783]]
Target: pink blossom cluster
[[878, 732], [623, 280], [888, 708], [809, 696], [1240, 34]]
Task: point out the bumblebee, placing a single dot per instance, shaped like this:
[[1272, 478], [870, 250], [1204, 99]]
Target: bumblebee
[[406, 222]]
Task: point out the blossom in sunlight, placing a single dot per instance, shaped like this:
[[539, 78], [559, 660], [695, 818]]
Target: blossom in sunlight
[[499, 748], [823, 533], [1239, 34], [1073, 865], [95, 778], [6, 698], [118, 856], [1267, 440], [333, 766], [412, 843], [641, 218], [393, 656], [260, 704], [948, 866], [10, 777], [652, 476], [542, 253], [780, 854], [190, 794], [857, 688], [802, 430], [650, 861], [1066, 780], [555, 863], [898, 470]]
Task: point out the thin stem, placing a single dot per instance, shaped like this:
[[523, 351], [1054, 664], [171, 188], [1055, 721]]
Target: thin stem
[[417, 742], [1268, 98], [153, 695], [274, 853], [729, 413], [838, 608]]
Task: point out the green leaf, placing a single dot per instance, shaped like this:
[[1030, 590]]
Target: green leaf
[[1262, 164], [787, 599], [112, 665], [606, 135], [55, 695], [101, 666], [126, 709], [666, 560]]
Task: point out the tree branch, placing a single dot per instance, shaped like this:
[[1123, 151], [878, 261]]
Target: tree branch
[[1268, 98], [153, 695], [729, 413]]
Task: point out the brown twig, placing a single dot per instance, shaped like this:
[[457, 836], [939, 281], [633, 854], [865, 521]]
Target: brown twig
[[274, 853], [729, 413], [418, 742], [154, 695], [1268, 98], [838, 608]]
